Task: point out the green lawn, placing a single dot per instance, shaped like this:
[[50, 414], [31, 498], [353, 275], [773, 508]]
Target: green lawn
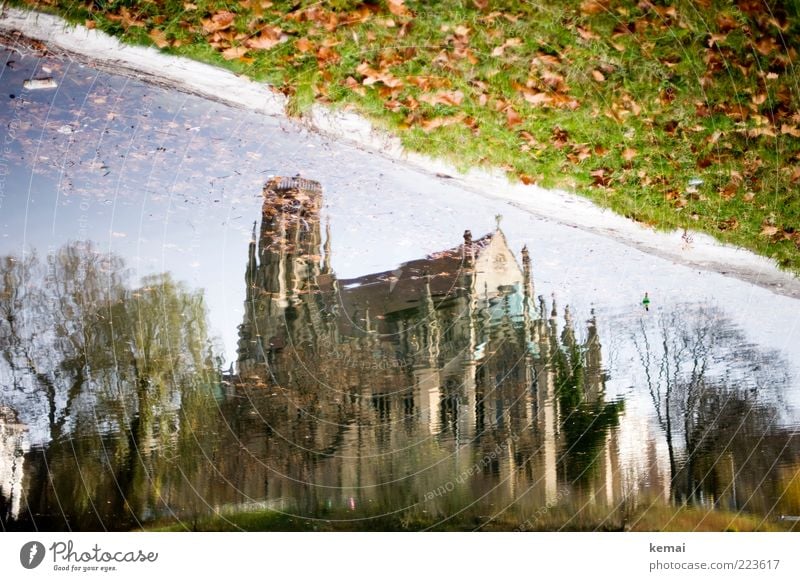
[[678, 114], [653, 517]]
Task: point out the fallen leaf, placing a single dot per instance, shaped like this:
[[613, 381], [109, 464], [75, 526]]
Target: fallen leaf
[[304, 45], [371, 77], [600, 178], [159, 38], [536, 98], [589, 7], [234, 52], [512, 117], [729, 191], [269, 37], [219, 21], [453, 98], [790, 130], [398, 8], [598, 76], [768, 230], [354, 86], [429, 125], [629, 154]]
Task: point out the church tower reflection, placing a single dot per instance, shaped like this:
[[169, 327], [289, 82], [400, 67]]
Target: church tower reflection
[[450, 351]]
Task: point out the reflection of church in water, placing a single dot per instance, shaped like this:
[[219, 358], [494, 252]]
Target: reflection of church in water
[[451, 349]]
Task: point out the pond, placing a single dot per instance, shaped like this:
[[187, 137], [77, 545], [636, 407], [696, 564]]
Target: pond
[[208, 313]]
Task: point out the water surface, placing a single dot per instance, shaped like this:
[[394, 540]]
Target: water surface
[[184, 335]]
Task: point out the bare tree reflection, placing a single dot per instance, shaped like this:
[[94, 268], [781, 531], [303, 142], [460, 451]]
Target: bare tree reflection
[[717, 400]]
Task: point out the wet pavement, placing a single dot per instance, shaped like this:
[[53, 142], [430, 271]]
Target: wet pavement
[[376, 358]]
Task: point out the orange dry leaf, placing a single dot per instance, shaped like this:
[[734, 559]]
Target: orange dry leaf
[[589, 7], [304, 45], [354, 86], [768, 230], [269, 37], [790, 130], [398, 8], [219, 21], [429, 125], [234, 52], [371, 76], [159, 38], [512, 117], [453, 98]]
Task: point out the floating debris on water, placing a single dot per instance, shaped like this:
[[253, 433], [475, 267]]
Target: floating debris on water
[[39, 84]]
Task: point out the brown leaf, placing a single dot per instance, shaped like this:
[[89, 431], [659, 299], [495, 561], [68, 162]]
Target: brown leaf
[[371, 77], [729, 191], [768, 230], [354, 86], [629, 154], [587, 33], [579, 153], [589, 7], [729, 224], [726, 22], [452, 98], [598, 76], [512, 117], [159, 38], [792, 130], [269, 37], [90, 24], [564, 101], [304, 45], [429, 125], [398, 8], [600, 177], [218, 21], [234, 52], [536, 99]]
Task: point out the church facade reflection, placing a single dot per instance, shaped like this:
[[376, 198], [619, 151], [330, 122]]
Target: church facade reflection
[[450, 355]]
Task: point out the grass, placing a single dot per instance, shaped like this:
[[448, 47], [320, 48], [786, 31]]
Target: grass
[[684, 116], [653, 517]]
